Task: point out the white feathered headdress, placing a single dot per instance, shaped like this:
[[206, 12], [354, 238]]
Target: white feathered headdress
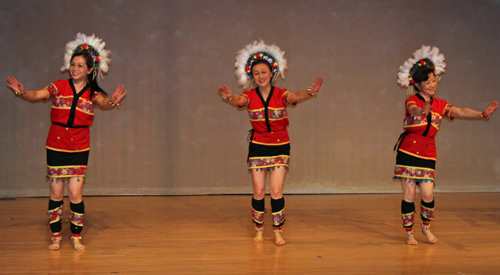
[[254, 51], [422, 57], [95, 46]]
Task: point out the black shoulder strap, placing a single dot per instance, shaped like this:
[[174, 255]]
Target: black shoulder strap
[[76, 97], [266, 105], [429, 116]]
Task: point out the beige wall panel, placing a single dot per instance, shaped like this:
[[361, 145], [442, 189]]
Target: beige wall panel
[[173, 134]]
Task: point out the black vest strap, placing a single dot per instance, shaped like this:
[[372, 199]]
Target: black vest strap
[[429, 116], [76, 97], [266, 105]]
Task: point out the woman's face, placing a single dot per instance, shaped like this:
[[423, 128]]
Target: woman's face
[[78, 68], [261, 75], [428, 87]]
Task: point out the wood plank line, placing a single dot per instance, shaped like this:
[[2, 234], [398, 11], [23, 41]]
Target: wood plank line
[[325, 234]]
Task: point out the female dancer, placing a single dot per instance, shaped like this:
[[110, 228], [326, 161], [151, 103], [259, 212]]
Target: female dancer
[[71, 114], [416, 158], [269, 148]]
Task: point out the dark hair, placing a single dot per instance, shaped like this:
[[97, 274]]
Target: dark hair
[[261, 61], [421, 74], [89, 61]]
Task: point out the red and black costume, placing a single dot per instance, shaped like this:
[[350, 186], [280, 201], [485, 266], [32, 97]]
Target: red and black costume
[[269, 144], [416, 158], [68, 143]]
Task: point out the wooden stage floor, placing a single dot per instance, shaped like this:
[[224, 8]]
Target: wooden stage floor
[[325, 234]]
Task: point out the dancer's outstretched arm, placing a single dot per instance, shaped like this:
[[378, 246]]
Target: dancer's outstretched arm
[[311, 91], [226, 94], [115, 100], [469, 113], [19, 89]]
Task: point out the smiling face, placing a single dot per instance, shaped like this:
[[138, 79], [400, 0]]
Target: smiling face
[[428, 88], [78, 68], [261, 75]]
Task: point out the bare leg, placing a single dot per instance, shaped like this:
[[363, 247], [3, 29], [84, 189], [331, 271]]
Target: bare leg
[[259, 193], [56, 189], [276, 183], [426, 191], [409, 188], [75, 187], [56, 194]]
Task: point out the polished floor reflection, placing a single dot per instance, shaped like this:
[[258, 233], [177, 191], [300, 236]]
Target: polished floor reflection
[[325, 234]]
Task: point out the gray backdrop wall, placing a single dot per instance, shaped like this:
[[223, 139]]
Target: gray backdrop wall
[[174, 135]]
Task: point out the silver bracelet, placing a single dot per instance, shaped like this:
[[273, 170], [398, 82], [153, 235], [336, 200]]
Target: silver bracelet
[[310, 92], [21, 93]]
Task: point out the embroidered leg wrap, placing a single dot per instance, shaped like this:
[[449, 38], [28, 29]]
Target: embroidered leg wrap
[[426, 212], [55, 215], [258, 209], [77, 211], [408, 215], [278, 207]]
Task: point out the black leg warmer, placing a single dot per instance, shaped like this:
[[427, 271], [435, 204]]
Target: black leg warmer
[[77, 211], [55, 215], [278, 207], [408, 213], [258, 211], [427, 211]]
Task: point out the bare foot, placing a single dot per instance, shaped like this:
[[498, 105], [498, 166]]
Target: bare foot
[[430, 237], [56, 243], [77, 245], [279, 240], [410, 238], [258, 237]]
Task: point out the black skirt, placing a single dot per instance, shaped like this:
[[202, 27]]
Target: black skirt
[[410, 167], [267, 157], [66, 165]]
